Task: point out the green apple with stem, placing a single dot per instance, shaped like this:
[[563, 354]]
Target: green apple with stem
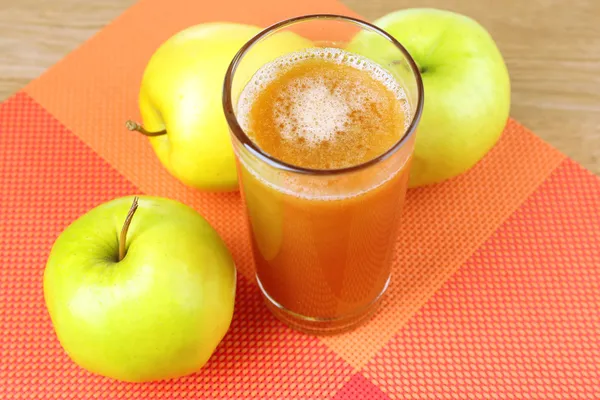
[[466, 84], [140, 290], [180, 98]]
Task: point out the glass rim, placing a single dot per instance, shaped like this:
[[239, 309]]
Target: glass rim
[[241, 135]]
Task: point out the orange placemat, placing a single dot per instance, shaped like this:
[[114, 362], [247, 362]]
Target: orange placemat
[[519, 319]]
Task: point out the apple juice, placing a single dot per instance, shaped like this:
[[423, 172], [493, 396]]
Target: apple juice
[[322, 240]]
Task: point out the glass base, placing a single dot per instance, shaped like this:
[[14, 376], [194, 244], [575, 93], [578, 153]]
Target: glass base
[[322, 326]]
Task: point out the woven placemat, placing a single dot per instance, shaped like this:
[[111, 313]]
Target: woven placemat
[[496, 278]]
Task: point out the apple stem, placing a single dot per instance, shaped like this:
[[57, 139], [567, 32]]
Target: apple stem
[[134, 126], [123, 237]]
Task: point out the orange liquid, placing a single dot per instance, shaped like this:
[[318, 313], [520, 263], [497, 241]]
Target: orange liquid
[[323, 245]]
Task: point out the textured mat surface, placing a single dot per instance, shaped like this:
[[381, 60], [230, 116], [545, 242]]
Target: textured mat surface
[[496, 278]]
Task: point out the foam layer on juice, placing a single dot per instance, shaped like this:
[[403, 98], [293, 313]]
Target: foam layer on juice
[[323, 108]]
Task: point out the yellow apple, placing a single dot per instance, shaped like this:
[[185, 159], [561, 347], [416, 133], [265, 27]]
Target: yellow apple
[[140, 289], [180, 99], [467, 87]]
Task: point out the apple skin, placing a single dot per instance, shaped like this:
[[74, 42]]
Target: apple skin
[[157, 314], [181, 92], [466, 83]]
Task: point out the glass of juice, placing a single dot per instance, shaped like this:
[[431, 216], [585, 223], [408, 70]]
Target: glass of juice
[[323, 136]]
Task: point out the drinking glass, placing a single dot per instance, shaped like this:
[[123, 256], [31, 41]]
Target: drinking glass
[[323, 239]]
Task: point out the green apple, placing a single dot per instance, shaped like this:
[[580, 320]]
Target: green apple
[[180, 99], [467, 87], [141, 300]]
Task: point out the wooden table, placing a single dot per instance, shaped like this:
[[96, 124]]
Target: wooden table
[[552, 48]]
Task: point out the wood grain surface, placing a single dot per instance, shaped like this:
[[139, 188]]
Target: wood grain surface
[[551, 47]]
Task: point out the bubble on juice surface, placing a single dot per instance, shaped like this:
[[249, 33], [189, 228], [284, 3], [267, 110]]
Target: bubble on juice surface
[[313, 112], [325, 118], [317, 113]]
